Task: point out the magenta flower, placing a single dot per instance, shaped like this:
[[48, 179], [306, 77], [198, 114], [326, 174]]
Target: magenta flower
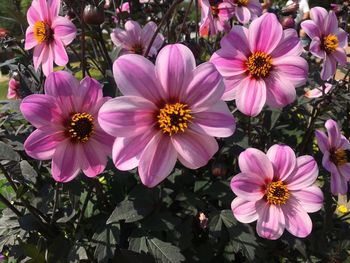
[[276, 189], [13, 89], [335, 160], [135, 40], [170, 111], [48, 33], [261, 66], [318, 92], [328, 41], [67, 128], [246, 10], [215, 16], [125, 7]]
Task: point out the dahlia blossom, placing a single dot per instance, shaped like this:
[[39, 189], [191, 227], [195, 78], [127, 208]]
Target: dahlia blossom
[[335, 159], [125, 7], [261, 64], [328, 40], [48, 33], [276, 189], [171, 110], [215, 16], [12, 92], [67, 128], [246, 10], [318, 92]]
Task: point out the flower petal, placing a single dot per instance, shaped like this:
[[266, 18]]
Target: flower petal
[[310, 198], [329, 67], [316, 48], [331, 23], [339, 55], [344, 170], [236, 41], [280, 92], [134, 31], [244, 211], [60, 54], [30, 40], [90, 94], [248, 186], [311, 29], [47, 60], [242, 14], [271, 222], [33, 15], [289, 45], [283, 160], [318, 14], [305, 173], [94, 159], [322, 141], [64, 29], [339, 184], [292, 68], [334, 134]]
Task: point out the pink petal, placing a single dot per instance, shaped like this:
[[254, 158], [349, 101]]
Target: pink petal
[[194, 149], [342, 38], [334, 134], [147, 33], [318, 14], [242, 14], [216, 121], [322, 141], [344, 170], [94, 159], [43, 10], [328, 164], [318, 92], [40, 51], [283, 160], [127, 150], [236, 41], [64, 29], [248, 186], [135, 76], [254, 161], [121, 38], [229, 65], [90, 94], [134, 31], [42, 143], [331, 23], [339, 184], [60, 54], [344, 143], [305, 173], [280, 92], [262, 40], [127, 116], [244, 211], [316, 48], [205, 89], [310, 198], [174, 66], [30, 40], [289, 45], [298, 222], [66, 162], [339, 55], [271, 222], [47, 60], [311, 29], [292, 68], [33, 15], [53, 7], [157, 160], [251, 97], [232, 86], [328, 68]]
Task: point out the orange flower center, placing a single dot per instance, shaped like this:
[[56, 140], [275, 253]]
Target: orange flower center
[[137, 49], [338, 157], [259, 64], [174, 118], [330, 43], [42, 32], [242, 2], [277, 193], [80, 127]]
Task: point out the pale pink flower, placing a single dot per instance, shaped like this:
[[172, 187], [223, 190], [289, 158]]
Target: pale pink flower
[[335, 159], [203, 220], [246, 10], [215, 16], [171, 110], [135, 39], [261, 65], [276, 189], [67, 128], [48, 33], [125, 7], [318, 92], [13, 88], [328, 40]]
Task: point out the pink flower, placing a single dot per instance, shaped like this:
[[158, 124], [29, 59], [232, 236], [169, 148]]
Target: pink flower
[[125, 7], [170, 111], [246, 10], [335, 160], [215, 16], [67, 128], [276, 189], [318, 92], [12, 92], [328, 41], [261, 66], [135, 40], [48, 33]]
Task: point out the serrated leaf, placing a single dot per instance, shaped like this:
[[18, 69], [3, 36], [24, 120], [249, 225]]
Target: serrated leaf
[[28, 171], [7, 153], [106, 241], [163, 251]]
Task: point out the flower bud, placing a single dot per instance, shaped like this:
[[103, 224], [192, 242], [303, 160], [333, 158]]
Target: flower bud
[[219, 169], [93, 15], [287, 22]]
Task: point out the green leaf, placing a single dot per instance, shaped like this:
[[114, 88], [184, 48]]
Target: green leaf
[[106, 241], [7, 153], [32, 251], [164, 252], [28, 171]]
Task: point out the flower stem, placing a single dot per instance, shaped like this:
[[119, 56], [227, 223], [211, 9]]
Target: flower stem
[[10, 206], [56, 196]]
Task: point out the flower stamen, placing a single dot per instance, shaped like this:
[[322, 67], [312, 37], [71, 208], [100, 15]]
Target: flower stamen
[[338, 157], [242, 2], [80, 127], [277, 193], [259, 64], [137, 49], [42, 32], [174, 118], [330, 43]]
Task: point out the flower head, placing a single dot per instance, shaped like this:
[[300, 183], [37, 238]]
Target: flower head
[[67, 128], [135, 39], [125, 7], [335, 160], [215, 16], [328, 40], [246, 10], [13, 89], [261, 66], [318, 92], [48, 33], [169, 111], [276, 189]]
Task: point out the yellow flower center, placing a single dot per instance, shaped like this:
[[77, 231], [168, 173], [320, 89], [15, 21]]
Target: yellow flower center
[[137, 49], [42, 32], [80, 127], [342, 209], [338, 157], [174, 118], [242, 2], [330, 43], [277, 193], [259, 64]]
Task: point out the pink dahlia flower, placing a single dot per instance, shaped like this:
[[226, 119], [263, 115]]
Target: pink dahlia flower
[[318, 92], [48, 33], [261, 66], [170, 111], [335, 159], [125, 7], [67, 128], [135, 39], [12, 92], [328, 40], [246, 10], [215, 16], [276, 189]]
